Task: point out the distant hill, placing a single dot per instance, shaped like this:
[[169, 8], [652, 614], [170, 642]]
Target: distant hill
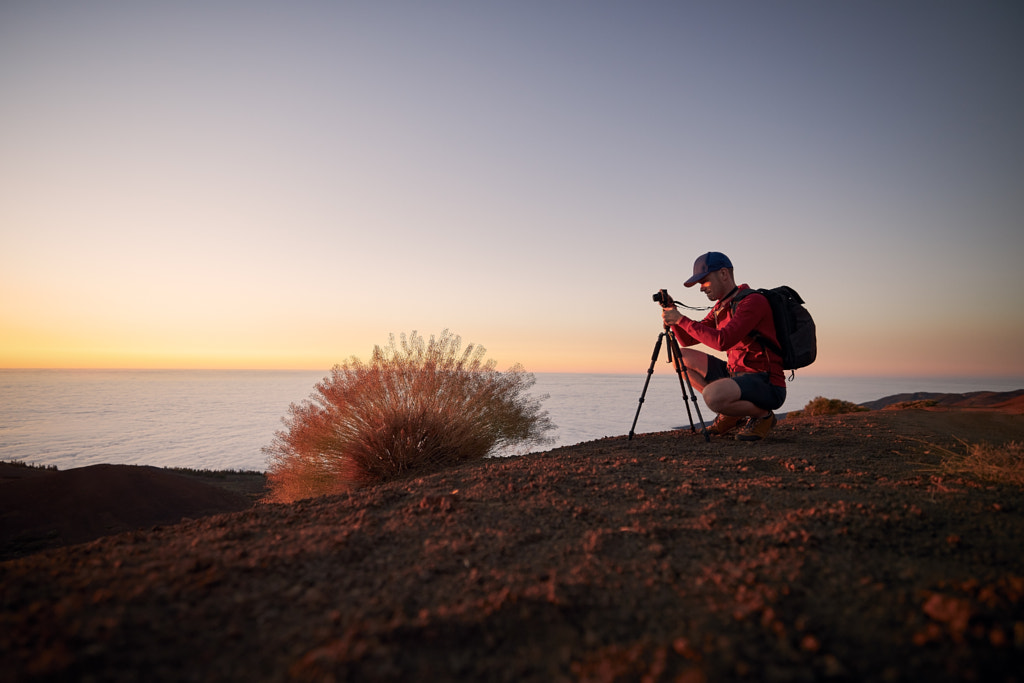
[[973, 399]]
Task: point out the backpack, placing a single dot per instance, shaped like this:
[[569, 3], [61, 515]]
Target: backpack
[[794, 326]]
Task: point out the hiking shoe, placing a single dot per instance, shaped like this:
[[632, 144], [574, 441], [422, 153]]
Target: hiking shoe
[[724, 424], [757, 428]]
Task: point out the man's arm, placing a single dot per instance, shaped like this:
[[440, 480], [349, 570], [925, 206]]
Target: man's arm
[[750, 310]]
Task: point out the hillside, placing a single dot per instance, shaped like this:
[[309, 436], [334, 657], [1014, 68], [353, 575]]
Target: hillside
[[835, 550]]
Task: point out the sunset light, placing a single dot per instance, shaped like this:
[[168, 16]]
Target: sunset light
[[285, 188], [526, 340]]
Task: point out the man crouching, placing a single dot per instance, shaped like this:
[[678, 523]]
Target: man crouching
[[746, 388]]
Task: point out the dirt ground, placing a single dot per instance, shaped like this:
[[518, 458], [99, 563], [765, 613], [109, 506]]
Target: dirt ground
[[835, 550]]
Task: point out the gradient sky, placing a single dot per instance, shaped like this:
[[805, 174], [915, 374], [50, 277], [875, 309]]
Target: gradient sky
[[282, 185]]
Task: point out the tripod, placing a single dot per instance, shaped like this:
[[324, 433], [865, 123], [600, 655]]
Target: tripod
[[672, 348]]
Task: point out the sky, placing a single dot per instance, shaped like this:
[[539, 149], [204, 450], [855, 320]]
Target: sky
[[284, 185]]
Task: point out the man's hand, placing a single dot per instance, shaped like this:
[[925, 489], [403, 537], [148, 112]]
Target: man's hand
[[671, 316]]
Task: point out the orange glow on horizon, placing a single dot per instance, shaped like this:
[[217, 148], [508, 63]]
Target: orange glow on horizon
[[841, 353], [615, 364]]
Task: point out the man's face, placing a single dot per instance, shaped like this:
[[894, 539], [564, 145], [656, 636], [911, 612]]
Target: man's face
[[713, 286]]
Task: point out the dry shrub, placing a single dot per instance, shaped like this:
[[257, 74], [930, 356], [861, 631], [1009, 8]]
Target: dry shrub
[[1001, 463], [417, 406], [912, 405], [827, 406], [28, 465]]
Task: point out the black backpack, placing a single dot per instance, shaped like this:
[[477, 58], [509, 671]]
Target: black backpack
[[794, 326]]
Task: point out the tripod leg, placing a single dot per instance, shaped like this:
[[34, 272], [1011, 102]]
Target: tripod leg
[[683, 372], [650, 371], [680, 367]]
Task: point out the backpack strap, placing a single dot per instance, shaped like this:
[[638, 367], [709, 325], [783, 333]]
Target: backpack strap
[[757, 336]]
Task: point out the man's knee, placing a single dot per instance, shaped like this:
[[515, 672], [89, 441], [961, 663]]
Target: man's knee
[[721, 393]]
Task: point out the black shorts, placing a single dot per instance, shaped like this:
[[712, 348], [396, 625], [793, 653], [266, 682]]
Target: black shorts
[[754, 386]]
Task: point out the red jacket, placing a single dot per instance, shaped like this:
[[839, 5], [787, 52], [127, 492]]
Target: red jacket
[[724, 330]]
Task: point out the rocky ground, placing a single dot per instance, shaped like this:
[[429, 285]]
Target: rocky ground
[[836, 550]]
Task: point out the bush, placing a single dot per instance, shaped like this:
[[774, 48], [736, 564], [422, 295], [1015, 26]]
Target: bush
[[1001, 463], [415, 407], [827, 406], [910, 405], [28, 465]]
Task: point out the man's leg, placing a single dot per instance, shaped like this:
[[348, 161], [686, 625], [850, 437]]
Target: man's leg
[[700, 367], [696, 363], [723, 396]]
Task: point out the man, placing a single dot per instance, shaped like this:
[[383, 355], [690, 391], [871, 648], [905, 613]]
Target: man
[[746, 389]]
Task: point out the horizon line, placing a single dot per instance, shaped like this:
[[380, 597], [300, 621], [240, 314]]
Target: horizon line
[[803, 373]]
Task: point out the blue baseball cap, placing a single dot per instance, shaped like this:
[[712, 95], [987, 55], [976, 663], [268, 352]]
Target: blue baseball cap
[[707, 264]]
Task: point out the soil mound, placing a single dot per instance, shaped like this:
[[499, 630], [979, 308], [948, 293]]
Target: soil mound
[[49, 508]]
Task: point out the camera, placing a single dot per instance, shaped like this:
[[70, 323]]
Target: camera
[[663, 298]]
